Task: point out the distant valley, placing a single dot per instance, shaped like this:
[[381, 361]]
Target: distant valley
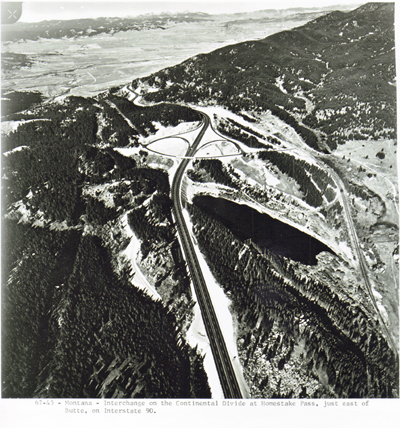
[[124, 188], [83, 57]]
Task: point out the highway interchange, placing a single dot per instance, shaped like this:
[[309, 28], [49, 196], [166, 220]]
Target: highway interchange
[[223, 363]]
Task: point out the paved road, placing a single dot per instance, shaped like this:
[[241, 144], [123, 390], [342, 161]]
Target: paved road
[[218, 347], [355, 243], [360, 256], [229, 383], [225, 370]]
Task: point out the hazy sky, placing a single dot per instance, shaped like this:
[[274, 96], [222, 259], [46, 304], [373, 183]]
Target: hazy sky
[[39, 11]]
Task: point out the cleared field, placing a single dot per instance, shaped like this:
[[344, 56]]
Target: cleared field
[[172, 146], [218, 148]]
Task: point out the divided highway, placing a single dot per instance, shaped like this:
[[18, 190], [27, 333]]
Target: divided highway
[[223, 364]]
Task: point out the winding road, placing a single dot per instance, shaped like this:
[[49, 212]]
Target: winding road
[[226, 373], [225, 370]]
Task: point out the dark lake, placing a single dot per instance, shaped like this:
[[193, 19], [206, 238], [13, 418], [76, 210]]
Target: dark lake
[[265, 231]]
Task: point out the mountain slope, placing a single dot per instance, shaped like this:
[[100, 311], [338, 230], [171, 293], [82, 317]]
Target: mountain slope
[[74, 322], [332, 81], [72, 203], [335, 75]]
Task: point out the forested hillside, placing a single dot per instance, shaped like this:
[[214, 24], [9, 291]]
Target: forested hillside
[[331, 79], [91, 332], [86, 205], [298, 337]]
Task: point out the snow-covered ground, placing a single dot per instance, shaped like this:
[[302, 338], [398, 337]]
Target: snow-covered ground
[[221, 305], [170, 146], [11, 125], [170, 131], [196, 336], [16, 149], [131, 253], [128, 151], [217, 148], [345, 249], [100, 192]]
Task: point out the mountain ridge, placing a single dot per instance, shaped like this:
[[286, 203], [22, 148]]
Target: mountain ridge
[[311, 61], [77, 27]]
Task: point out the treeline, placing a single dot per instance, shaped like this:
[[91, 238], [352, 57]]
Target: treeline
[[305, 174], [146, 219], [17, 101], [363, 192], [117, 112], [115, 130], [147, 229], [106, 164], [205, 170], [132, 181], [250, 138], [143, 117], [306, 134], [228, 93], [215, 169], [250, 119], [246, 128], [339, 338]]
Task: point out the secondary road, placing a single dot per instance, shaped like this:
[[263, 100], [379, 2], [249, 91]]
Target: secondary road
[[229, 384], [360, 256], [194, 266]]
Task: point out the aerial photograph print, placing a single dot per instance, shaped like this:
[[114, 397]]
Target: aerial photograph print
[[199, 200]]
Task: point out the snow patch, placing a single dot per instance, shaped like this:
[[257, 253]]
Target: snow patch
[[102, 193], [218, 148], [279, 81], [221, 305], [346, 250], [169, 131], [16, 149], [196, 337], [383, 312], [11, 125], [171, 146], [128, 151], [131, 253]]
